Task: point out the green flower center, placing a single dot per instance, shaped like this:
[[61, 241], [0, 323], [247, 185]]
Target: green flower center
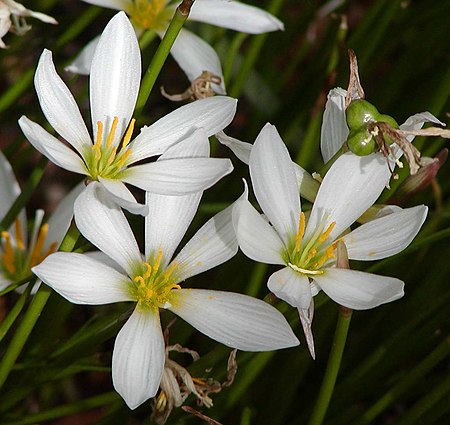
[[153, 286], [105, 158], [150, 14], [15, 261], [308, 257]]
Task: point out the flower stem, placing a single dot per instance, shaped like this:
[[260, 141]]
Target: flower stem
[[177, 22], [334, 363], [30, 318]]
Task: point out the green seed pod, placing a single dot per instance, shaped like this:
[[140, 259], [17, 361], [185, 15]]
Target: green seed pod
[[359, 113], [361, 142], [387, 119]]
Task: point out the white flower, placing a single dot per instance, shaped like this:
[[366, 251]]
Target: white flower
[[13, 14], [153, 282], [334, 129], [111, 155], [18, 252], [306, 250], [192, 53]]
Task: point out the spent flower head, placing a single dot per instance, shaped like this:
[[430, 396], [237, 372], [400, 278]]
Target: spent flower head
[[12, 18], [152, 281], [110, 156]]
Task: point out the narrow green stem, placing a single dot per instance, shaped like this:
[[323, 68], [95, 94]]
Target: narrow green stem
[[15, 311], [25, 195], [177, 22], [253, 53], [332, 370], [32, 315]]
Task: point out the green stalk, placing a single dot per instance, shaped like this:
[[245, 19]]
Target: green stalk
[[177, 22], [15, 311], [332, 370], [253, 53], [32, 315], [25, 195], [337, 349]]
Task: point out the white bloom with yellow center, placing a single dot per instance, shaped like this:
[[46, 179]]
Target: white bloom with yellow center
[[18, 252], [307, 247], [192, 53], [13, 14], [111, 156], [153, 281]]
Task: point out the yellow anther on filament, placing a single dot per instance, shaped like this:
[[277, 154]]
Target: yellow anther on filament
[[19, 237], [8, 253], [300, 232], [112, 132], [36, 254], [323, 237]]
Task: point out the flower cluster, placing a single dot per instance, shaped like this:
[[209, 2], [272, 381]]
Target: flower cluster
[[169, 166]]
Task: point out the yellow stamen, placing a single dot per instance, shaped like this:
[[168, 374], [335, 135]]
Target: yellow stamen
[[300, 232], [97, 146], [128, 134], [35, 256], [140, 280], [329, 253], [8, 254], [327, 232], [148, 270], [123, 158], [19, 236], [112, 132]]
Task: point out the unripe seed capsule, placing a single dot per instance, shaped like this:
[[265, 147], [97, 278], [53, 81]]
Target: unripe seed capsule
[[361, 142]]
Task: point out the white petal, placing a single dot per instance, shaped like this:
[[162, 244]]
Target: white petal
[[359, 290], [4, 283], [385, 236], [122, 196], [213, 244], [235, 320], [274, 182], [59, 106], [350, 187], [60, 220], [138, 358], [256, 237], [334, 130], [82, 63], [194, 56], [415, 122], [291, 287], [9, 188], [178, 176], [115, 76], [103, 223], [169, 216], [212, 114], [240, 149], [51, 147], [110, 4], [234, 15], [83, 280]]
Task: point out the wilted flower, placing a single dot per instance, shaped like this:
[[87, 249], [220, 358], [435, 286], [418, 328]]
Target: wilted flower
[[111, 155], [307, 247], [13, 14], [153, 281], [192, 53], [18, 251]]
